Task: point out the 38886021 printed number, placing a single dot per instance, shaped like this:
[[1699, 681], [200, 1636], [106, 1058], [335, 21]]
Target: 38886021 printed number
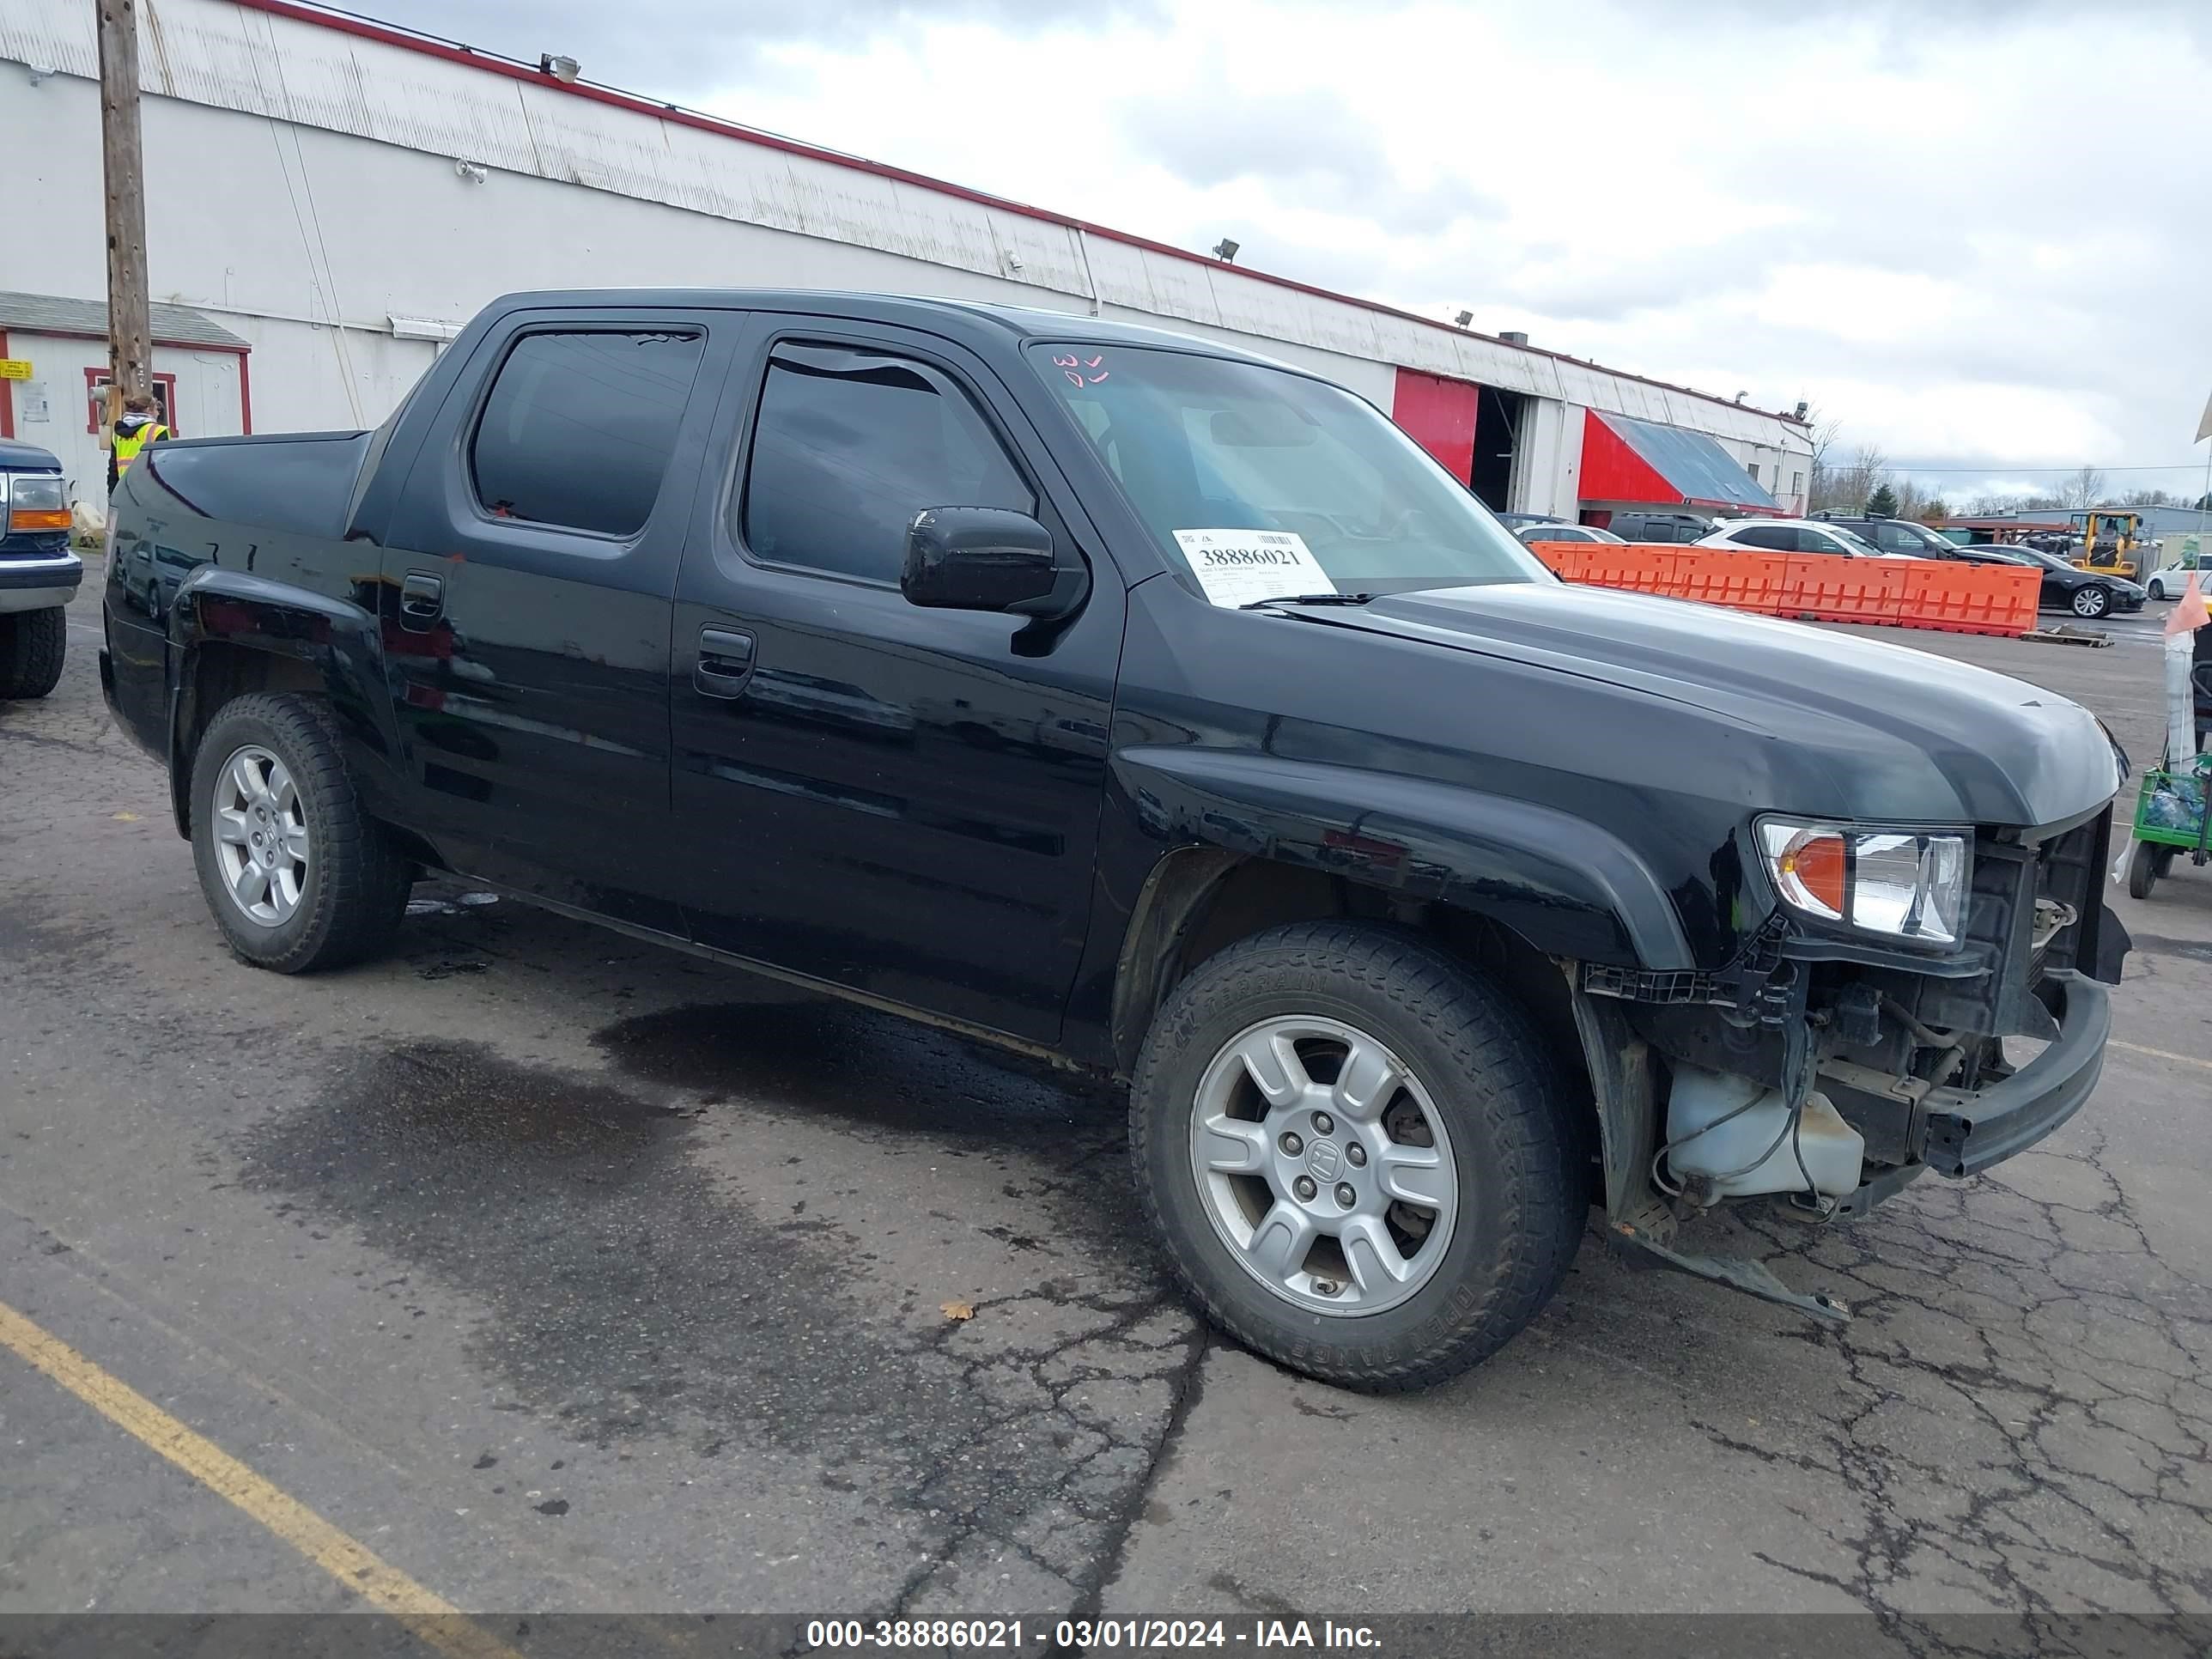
[[928, 1635]]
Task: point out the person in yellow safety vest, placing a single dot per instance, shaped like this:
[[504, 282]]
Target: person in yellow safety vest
[[135, 427]]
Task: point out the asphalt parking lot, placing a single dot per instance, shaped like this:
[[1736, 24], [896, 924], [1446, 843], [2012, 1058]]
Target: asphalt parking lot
[[562, 1273]]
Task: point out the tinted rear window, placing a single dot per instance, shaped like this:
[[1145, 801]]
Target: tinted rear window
[[580, 428]]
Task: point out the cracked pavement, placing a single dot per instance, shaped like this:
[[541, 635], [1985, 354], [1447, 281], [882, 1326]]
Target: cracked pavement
[[574, 1274]]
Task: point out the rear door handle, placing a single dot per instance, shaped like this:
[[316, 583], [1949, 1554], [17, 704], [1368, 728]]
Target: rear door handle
[[422, 601], [726, 663]]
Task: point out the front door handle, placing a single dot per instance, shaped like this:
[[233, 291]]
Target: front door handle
[[726, 663], [422, 601]]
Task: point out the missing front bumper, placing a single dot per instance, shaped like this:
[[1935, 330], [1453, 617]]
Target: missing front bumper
[[1969, 1129]]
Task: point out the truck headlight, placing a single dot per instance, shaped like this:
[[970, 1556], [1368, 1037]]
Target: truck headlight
[[1899, 884], [36, 501]]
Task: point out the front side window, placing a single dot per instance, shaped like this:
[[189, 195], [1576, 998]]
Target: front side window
[[580, 428], [1261, 482], [849, 446]]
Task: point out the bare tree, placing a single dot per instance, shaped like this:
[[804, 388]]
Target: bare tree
[[1846, 484], [2150, 498], [1824, 430], [2083, 488]]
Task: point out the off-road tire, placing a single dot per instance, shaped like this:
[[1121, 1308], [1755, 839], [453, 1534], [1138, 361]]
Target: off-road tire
[[31, 646], [355, 892], [2143, 870], [1522, 1160]]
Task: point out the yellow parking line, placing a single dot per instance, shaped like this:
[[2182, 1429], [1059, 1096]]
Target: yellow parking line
[[437, 1621], [2161, 1053]]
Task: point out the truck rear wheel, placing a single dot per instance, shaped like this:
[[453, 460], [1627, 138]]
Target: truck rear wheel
[[1355, 1149], [31, 646], [298, 875]]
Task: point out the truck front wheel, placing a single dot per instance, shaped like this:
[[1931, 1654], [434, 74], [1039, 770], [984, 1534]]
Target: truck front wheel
[[1356, 1151], [298, 875], [31, 646]]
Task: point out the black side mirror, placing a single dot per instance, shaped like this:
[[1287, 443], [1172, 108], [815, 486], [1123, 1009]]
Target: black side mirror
[[986, 558]]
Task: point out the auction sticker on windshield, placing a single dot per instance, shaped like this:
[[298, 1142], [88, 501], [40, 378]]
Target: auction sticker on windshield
[[1239, 567]]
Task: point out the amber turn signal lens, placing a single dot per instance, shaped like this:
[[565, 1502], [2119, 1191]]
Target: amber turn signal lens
[[1815, 863], [24, 519]]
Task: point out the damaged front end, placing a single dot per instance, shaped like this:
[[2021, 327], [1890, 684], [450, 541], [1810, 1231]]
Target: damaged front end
[[1822, 1069]]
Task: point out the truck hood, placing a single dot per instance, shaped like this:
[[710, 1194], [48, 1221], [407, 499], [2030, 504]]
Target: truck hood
[[1870, 730]]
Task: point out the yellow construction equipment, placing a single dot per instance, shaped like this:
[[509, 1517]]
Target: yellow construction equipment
[[2109, 538]]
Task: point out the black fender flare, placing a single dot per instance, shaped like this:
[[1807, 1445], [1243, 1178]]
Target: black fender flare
[[1569, 887], [329, 644]]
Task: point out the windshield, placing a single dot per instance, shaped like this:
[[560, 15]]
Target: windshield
[[1934, 541], [1858, 544], [1263, 484]]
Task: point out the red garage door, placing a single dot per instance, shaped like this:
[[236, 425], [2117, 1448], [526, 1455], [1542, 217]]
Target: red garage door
[[1439, 415]]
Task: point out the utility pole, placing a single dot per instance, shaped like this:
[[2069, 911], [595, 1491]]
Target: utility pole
[[130, 326]]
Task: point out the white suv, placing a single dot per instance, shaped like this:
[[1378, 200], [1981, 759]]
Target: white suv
[[2174, 581], [1792, 536]]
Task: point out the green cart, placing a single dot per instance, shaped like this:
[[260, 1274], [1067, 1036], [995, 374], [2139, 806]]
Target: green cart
[[2171, 818]]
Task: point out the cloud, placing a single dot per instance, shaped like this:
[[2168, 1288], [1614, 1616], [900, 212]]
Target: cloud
[[1308, 147], [1880, 205], [678, 48]]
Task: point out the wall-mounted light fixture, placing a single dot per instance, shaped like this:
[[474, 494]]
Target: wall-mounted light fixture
[[423, 328], [562, 69], [471, 171], [1225, 251]]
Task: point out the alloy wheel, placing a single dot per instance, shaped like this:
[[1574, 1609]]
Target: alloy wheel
[[262, 846], [1323, 1165]]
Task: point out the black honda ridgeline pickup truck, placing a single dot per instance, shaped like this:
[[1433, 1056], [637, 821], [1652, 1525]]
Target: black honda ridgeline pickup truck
[[1127, 700]]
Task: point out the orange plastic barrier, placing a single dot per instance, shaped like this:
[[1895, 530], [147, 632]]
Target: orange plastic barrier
[[1954, 598], [1971, 599], [1742, 581], [1826, 588], [1641, 567]]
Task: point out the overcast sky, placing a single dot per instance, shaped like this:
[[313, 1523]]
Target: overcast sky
[[1978, 232]]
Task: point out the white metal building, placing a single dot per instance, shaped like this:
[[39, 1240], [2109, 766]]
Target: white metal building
[[202, 385], [329, 200]]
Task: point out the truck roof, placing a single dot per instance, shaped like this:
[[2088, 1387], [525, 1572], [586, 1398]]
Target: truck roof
[[920, 311], [16, 457]]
